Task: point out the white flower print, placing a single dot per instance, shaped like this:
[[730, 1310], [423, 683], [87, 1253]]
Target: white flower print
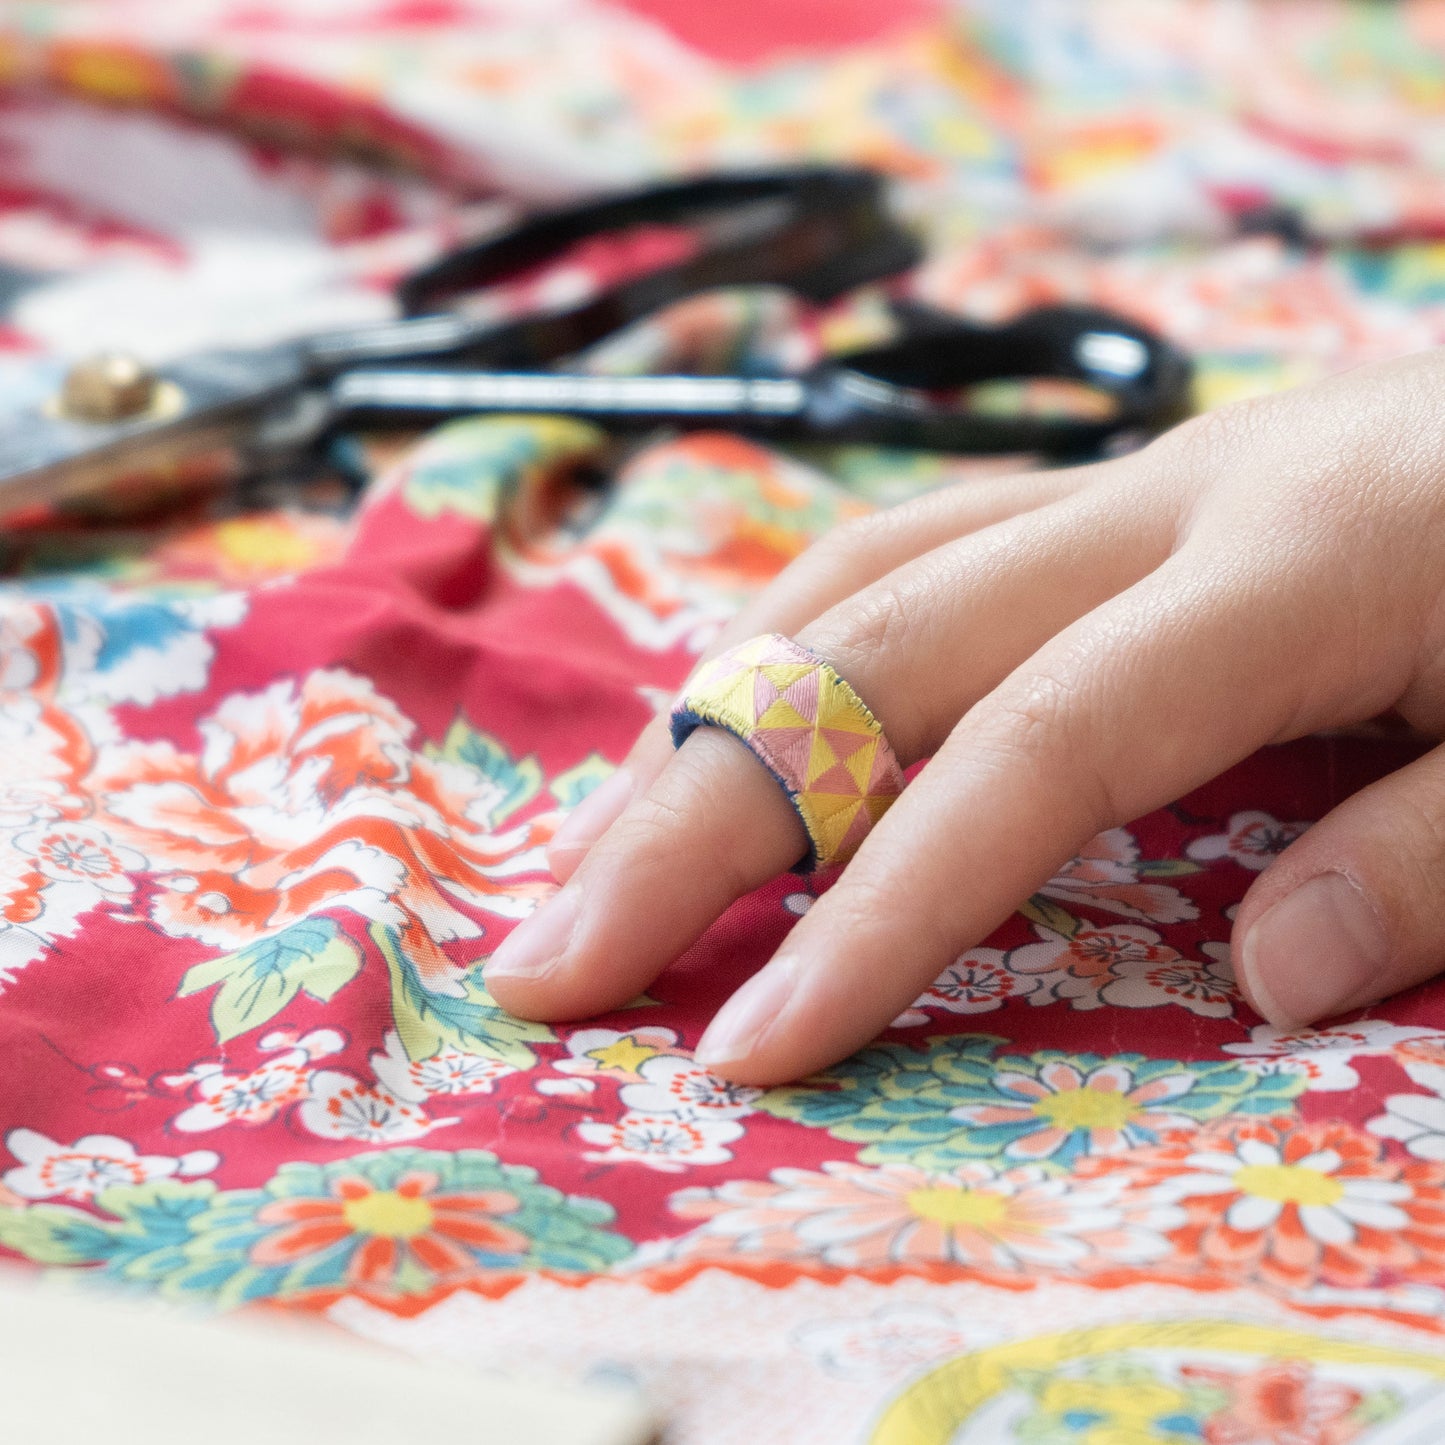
[[1417, 1121], [340, 1106], [1323, 1056], [1205, 987], [978, 982], [1105, 875], [258, 1096], [91, 1165], [1253, 840], [78, 853], [673, 1085], [1121, 964], [669, 1142], [448, 1071]]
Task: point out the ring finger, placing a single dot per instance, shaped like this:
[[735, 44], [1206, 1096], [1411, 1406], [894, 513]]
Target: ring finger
[[847, 560]]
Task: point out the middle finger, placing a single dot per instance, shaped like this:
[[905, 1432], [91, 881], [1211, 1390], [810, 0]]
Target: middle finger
[[920, 647]]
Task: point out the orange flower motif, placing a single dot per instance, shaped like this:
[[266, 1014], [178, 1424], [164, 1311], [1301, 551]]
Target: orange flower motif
[[1292, 1205], [1282, 1401], [385, 1230], [309, 798]]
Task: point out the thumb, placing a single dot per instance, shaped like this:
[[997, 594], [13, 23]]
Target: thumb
[[1350, 913]]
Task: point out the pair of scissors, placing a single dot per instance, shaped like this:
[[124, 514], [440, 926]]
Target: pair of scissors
[[894, 395], [118, 430]]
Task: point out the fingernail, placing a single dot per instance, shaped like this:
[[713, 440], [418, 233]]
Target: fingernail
[[595, 814], [742, 1021], [536, 943], [1317, 952]]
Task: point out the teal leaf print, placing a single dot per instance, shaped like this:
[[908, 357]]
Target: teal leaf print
[[957, 1100], [571, 787], [516, 782], [395, 1223], [468, 1020], [138, 1237], [256, 982]]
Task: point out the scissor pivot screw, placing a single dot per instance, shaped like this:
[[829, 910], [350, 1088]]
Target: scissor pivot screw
[[110, 387]]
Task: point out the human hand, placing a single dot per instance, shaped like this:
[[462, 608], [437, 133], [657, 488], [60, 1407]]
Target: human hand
[[1071, 650]]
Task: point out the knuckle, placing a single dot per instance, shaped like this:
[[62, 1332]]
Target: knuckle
[[878, 623], [1042, 725], [857, 537], [875, 637], [649, 830], [1198, 448]]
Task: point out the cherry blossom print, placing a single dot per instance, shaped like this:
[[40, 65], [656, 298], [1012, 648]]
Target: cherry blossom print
[[1107, 875], [1323, 1056], [1121, 965], [1091, 957], [341, 1106], [1205, 986], [1294, 1205], [668, 1142], [1125, 965], [90, 1166], [78, 853], [976, 1216], [256, 1097], [978, 982], [672, 1085], [307, 797], [447, 1072], [1251, 839], [57, 864]]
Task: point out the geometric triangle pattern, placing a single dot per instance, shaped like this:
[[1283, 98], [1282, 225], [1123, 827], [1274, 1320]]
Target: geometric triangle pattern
[[811, 731]]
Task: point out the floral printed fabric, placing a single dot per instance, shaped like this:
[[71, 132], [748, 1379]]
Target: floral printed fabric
[[274, 782]]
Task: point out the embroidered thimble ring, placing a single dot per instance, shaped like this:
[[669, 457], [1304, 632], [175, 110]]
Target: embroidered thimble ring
[[811, 731]]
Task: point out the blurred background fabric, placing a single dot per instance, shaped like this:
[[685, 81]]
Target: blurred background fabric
[[275, 779]]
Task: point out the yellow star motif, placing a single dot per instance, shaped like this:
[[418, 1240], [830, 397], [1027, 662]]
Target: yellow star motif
[[625, 1054]]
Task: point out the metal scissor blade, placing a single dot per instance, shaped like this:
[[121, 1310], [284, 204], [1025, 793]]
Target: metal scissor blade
[[764, 403], [203, 428]]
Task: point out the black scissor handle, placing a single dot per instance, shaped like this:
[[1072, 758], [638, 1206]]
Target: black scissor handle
[[818, 231], [885, 388], [781, 202]]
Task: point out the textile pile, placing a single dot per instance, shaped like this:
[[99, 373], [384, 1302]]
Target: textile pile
[[274, 782]]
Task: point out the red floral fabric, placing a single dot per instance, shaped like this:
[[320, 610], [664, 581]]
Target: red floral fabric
[[274, 783]]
